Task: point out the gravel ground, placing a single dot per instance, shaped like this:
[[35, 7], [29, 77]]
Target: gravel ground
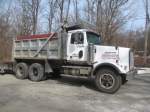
[[72, 94]]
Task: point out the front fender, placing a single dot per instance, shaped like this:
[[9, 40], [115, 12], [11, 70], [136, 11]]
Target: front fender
[[105, 65]]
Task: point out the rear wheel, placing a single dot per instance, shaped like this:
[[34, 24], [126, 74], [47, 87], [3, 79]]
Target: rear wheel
[[107, 80], [36, 72], [21, 71]]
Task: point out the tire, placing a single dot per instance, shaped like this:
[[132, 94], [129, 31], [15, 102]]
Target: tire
[[107, 80], [36, 72], [21, 71]]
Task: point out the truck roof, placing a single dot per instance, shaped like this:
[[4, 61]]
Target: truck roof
[[79, 24], [82, 30]]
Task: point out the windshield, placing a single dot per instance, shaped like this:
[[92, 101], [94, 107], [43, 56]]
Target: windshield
[[93, 38]]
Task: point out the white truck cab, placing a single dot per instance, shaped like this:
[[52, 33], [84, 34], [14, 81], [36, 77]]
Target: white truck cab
[[111, 65]]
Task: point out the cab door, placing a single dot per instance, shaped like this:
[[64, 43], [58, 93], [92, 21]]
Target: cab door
[[76, 47]]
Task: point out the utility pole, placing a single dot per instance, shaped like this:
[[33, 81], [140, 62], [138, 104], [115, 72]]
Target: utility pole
[[146, 33]]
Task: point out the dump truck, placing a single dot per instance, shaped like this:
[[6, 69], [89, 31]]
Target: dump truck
[[73, 49]]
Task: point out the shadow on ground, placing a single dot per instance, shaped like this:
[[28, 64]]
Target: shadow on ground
[[75, 81], [69, 80]]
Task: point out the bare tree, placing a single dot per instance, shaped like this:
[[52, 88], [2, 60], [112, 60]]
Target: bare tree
[[89, 10], [34, 6], [68, 8], [132, 39], [108, 16], [146, 32], [63, 9], [50, 14], [76, 10], [5, 30], [23, 18], [29, 10], [60, 5]]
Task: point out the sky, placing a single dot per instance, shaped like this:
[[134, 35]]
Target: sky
[[138, 21], [140, 18]]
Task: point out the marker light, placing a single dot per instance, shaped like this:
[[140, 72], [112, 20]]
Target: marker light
[[116, 61]]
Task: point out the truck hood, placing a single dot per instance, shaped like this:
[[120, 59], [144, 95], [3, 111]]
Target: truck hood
[[109, 54]]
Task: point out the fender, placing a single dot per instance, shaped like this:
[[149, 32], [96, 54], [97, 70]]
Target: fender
[[102, 65]]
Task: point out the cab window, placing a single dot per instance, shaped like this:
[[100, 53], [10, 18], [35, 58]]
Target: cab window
[[93, 38], [77, 38]]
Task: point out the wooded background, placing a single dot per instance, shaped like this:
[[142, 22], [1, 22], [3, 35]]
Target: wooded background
[[31, 17]]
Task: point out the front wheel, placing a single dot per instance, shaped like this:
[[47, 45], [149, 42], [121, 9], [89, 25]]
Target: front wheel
[[107, 80]]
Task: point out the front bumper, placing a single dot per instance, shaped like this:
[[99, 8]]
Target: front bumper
[[130, 74]]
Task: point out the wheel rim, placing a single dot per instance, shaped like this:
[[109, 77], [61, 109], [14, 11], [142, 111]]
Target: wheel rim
[[107, 81], [20, 71], [34, 72]]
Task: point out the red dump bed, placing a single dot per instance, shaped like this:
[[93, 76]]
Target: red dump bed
[[36, 36]]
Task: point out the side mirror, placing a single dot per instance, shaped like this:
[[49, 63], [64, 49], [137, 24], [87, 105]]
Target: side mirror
[[116, 47]]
